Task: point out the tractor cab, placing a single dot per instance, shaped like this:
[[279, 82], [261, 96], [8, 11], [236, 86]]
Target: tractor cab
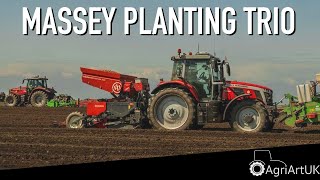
[[35, 82], [203, 71]]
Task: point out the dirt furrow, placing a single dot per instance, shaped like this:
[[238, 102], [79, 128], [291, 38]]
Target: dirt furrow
[[28, 139]]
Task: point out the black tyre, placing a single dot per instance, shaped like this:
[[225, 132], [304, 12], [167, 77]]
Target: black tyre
[[171, 109], [75, 120], [248, 117], [269, 125], [11, 100], [39, 99]]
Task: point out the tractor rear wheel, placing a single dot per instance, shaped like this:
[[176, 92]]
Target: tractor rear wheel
[[39, 99], [75, 120], [171, 109], [11, 100], [248, 117]]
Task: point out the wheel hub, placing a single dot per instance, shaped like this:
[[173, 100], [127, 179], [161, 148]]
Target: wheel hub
[[75, 122], [171, 111], [10, 100], [38, 99], [248, 118]]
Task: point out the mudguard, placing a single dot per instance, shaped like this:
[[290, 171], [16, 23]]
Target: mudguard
[[180, 84]]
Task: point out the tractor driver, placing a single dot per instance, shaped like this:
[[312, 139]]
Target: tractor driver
[[198, 75], [203, 76], [31, 84], [34, 83]]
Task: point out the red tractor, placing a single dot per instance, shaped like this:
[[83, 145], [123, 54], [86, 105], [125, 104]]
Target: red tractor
[[35, 93], [197, 93]]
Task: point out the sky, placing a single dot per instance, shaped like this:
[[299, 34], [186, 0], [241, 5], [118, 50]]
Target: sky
[[279, 62]]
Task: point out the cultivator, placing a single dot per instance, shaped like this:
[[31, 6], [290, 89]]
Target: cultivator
[[63, 100], [305, 108]]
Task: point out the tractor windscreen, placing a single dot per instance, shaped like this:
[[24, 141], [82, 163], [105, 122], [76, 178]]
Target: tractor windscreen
[[196, 72], [33, 83]]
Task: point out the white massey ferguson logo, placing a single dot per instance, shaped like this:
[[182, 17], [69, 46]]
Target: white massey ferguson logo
[[267, 165], [99, 106], [116, 87]]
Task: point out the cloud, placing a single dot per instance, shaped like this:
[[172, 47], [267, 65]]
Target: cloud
[[289, 73], [32, 69], [152, 73], [280, 76], [291, 81], [17, 69], [66, 75]]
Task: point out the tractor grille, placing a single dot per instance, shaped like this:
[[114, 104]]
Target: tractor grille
[[269, 99]]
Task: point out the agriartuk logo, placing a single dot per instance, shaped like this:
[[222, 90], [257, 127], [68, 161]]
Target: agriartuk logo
[[263, 164]]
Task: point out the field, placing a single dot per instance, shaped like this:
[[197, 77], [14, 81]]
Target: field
[[29, 139]]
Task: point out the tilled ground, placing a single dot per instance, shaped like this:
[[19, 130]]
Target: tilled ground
[[28, 139]]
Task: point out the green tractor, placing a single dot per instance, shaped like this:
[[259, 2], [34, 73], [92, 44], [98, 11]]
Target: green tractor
[[305, 108], [62, 100]]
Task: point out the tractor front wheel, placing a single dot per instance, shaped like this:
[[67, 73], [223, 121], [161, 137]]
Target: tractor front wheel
[[248, 117], [75, 120], [39, 99], [171, 109], [11, 100]]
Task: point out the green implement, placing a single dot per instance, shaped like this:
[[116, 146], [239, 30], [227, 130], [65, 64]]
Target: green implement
[[305, 108], [62, 100]]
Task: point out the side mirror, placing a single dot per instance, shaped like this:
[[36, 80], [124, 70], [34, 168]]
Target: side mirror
[[228, 69]]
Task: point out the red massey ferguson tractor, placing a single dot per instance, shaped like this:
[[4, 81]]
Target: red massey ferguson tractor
[[35, 93], [197, 93]]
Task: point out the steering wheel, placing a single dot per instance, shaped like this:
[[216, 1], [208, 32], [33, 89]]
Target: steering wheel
[[202, 76]]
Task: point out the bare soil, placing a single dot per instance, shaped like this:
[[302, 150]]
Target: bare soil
[[29, 139]]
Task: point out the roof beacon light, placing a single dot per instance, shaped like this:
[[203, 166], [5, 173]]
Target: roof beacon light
[[179, 52]]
